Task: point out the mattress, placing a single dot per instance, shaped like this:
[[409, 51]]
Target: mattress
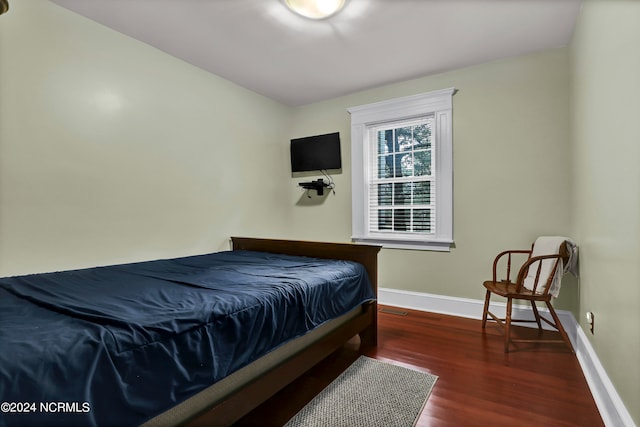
[[118, 345]]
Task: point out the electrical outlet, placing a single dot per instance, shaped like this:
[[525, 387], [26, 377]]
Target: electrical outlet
[[591, 320]]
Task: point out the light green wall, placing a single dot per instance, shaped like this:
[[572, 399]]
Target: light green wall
[[512, 171], [605, 64], [111, 150]]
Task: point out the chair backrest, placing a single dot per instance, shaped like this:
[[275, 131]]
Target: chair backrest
[[548, 271]]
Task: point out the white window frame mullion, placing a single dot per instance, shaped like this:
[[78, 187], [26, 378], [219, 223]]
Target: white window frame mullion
[[444, 181]]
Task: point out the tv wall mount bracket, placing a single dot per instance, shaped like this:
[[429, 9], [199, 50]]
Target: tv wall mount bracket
[[318, 185]]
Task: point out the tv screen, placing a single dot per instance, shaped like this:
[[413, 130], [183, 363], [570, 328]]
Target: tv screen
[[316, 153]]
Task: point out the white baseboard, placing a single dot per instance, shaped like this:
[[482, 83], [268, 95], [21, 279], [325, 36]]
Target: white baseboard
[[612, 409]]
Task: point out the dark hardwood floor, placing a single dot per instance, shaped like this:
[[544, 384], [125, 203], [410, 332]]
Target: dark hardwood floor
[[478, 384]]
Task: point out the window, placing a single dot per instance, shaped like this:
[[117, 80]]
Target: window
[[402, 166]]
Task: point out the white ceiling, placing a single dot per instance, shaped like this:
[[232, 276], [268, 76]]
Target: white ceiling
[[262, 46]]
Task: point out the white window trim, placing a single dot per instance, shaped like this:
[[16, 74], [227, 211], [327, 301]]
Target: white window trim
[[436, 103]]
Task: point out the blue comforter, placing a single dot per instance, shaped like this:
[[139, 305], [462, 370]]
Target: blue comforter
[[117, 345]]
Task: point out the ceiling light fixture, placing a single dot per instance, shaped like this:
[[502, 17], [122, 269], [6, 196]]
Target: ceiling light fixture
[[315, 9]]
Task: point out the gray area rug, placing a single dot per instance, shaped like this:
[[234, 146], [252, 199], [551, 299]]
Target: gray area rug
[[369, 393]]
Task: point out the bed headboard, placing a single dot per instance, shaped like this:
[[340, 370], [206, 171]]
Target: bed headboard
[[366, 255]]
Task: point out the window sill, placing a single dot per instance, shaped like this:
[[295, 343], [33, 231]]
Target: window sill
[[421, 245]]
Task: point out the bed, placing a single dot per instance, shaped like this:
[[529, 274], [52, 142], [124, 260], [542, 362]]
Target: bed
[[198, 340]]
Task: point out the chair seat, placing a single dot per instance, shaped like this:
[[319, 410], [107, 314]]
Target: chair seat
[[509, 290]]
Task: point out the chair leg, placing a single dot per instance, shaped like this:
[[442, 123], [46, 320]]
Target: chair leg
[[507, 329], [485, 312], [535, 313], [559, 326]]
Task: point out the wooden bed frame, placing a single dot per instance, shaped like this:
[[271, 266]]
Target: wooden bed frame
[[365, 324]]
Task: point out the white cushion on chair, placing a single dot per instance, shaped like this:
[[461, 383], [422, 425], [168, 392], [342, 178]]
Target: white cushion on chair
[[547, 245]]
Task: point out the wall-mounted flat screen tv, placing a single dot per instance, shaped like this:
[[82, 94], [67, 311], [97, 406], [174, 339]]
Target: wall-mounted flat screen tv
[[317, 152]]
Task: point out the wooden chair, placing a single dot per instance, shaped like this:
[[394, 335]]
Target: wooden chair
[[537, 289]]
